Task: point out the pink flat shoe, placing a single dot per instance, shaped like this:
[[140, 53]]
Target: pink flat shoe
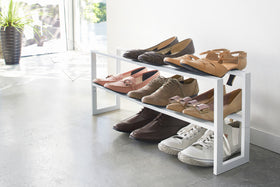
[[134, 82], [114, 78]]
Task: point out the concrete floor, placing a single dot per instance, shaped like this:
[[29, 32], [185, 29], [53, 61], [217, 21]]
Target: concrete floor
[[48, 137]]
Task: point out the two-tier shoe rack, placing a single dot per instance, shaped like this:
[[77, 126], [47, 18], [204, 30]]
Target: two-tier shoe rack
[[220, 166]]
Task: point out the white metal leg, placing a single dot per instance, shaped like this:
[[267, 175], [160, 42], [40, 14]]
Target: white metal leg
[[245, 132], [96, 110], [218, 126]]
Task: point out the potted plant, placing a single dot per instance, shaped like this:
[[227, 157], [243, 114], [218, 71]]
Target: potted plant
[[12, 25]]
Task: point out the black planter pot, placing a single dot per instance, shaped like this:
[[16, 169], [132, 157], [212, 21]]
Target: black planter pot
[[11, 45]]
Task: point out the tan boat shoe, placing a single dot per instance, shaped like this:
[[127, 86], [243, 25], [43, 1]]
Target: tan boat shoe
[[172, 87], [219, 63], [232, 104], [152, 86]]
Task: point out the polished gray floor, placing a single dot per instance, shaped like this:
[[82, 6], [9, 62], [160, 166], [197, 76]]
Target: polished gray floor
[[48, 137]]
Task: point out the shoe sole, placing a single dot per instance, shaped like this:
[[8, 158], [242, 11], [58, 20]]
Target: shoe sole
[[166, 149], [121, 130], [194, 162], [192, 69], [201, 162], [144, 140]]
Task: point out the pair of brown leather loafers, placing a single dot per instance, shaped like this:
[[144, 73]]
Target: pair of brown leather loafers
[[168, 48], [150, 126]]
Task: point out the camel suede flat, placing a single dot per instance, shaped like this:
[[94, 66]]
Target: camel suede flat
[[219, 63], [232, 104]]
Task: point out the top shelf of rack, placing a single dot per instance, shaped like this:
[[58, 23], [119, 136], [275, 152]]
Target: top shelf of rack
[[171, 69]]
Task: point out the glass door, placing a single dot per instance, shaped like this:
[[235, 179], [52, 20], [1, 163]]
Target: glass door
[[48, 38], [92, 25]]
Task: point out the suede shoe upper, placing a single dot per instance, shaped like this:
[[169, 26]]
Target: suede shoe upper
[[152, 86], [172, 88]]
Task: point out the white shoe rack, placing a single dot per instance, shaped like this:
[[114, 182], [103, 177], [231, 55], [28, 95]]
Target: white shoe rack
[[219, 165]]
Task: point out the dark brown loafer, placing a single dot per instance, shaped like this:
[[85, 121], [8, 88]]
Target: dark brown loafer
[[136, 121], [133, 54], [156, 57], [162, 127]]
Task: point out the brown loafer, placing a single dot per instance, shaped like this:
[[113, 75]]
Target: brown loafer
[[152, 86], [133, 54], [179, 49], [171, 88], [162, 127], [136, 121]]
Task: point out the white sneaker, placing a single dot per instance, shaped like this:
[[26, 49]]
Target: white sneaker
[[184, 138], [201, 152]]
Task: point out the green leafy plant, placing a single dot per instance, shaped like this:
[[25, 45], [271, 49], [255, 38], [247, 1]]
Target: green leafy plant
[[95, 12], [11, 17]]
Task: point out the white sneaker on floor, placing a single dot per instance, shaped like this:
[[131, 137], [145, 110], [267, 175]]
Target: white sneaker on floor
[[201, 152], [184, 138]]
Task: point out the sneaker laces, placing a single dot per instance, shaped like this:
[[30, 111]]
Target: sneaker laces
[[188, 133], [207, 141]]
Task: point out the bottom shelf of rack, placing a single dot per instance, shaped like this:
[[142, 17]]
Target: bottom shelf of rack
[[181, 116]]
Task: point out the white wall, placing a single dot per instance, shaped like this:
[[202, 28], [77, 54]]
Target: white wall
[[250, 25]]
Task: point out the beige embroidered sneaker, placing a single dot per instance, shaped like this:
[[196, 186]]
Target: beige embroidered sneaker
[[152, 86], [172, 87], [201, 152]]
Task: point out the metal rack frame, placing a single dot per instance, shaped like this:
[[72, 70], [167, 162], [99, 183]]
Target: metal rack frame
[[219, 166]]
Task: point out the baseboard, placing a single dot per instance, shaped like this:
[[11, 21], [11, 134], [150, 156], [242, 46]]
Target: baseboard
[[265, 140]]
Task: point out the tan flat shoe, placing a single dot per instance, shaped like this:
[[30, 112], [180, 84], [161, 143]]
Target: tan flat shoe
[[232, 104], [133, 54], [219, 63], [156, 58], [179, 104], [176, 61]]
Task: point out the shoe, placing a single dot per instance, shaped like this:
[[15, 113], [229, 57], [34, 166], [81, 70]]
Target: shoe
[[201, 152], [152, 86], [136, 121], [179, 49], [162, 127], [184, 138], [177, 61], [114, 78], [172, 87], [133, 82], [219, 65], [179, 104], [232, 104], [133, 54]]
